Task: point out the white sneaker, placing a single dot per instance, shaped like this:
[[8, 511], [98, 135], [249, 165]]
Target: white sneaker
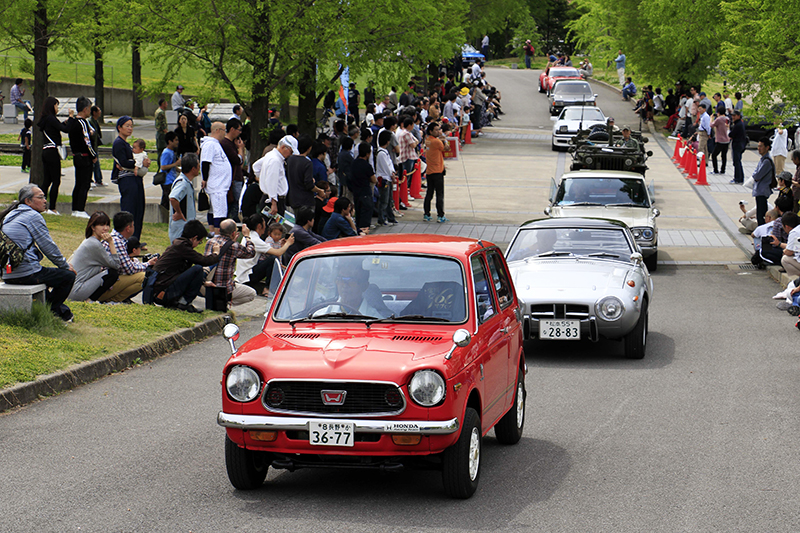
[[80, 214], [51, 212]]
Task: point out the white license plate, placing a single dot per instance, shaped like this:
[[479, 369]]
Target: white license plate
[[560, 330], [331, 433]]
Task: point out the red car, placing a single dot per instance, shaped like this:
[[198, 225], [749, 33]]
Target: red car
[[547, 79], [379, 352]]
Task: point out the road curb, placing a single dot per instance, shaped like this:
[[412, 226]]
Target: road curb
[[91, 370]]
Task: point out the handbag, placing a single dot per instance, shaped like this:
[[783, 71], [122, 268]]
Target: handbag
[[62, 150], [159, 178], [203, 203]]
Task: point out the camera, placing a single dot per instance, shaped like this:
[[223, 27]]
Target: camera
[[148, 257]]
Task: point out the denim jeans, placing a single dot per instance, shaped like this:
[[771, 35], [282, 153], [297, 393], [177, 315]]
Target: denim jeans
[[98, 174], [385, 205], [187, 285]]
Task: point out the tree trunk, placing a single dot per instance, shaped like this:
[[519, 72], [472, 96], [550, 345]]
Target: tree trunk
[[307, 101], [40, 75], [259, 120], [136, 77], [99, 80]]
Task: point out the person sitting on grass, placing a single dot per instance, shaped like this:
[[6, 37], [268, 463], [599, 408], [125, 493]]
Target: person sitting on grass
[[131, 273], [179, 271], [24, 224], [256, 271], [97, 269]]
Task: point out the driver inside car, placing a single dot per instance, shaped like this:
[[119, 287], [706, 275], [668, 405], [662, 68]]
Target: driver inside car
[[356, 294]]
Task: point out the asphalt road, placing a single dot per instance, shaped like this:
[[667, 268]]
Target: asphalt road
[[701, 435]]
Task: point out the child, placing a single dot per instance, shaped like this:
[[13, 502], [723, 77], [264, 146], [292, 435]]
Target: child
[[25, 143], [275, 235], [138, 156], [134, 249]]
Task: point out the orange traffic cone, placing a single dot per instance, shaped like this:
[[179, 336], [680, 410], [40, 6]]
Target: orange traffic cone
[[676, 154], [468, 134], [416, 181], [701, 172], [692, 166], [687, 157]]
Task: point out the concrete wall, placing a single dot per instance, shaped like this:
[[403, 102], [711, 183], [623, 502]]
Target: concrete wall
[[118, 101]]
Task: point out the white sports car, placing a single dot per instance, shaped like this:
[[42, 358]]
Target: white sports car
[[571, 120]]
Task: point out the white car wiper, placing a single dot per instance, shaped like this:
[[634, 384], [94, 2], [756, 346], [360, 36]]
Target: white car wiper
[[602, 254], [626, 204]]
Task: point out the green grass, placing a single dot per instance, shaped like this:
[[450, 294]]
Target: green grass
[[38, 343]]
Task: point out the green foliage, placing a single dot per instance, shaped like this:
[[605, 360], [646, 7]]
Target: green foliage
[[663, 40], [526, 29], [761, 51]]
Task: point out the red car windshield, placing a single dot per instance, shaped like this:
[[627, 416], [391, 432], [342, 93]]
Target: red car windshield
[[374, 286], [564, 73]]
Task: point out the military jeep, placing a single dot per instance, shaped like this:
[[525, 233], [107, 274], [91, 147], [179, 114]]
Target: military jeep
[[594, 149]]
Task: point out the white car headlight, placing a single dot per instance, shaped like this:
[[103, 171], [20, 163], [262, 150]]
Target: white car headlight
[[427, 388], [610, 308], [563, 129], [243, 383], [646, 234]]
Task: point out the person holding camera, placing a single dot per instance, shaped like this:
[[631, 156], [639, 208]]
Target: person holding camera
[[238, 293], [131, 272]]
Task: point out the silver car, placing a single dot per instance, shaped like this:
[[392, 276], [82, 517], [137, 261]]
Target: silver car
[[610, 194], [581, 278], [571, 93]]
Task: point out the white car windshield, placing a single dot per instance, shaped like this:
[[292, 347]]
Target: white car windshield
[[585, 113], [567, 242], [573, 89], [602, 191], [374, 286]]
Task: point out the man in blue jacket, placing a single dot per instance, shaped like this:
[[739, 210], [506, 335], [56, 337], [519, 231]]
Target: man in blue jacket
[[25, 225], [340, 223]]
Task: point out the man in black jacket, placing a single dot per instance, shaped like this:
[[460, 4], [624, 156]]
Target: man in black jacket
[[300, 176], [180, 269], [83, 155], [738, 137]]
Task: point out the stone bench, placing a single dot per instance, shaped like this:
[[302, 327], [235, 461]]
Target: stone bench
[[65, 103], [20, 296], [9, 114]]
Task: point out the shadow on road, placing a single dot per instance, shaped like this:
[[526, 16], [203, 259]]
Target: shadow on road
[[602, 354], [416, 498]]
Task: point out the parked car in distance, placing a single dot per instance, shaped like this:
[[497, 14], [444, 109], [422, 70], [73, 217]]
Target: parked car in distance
[[571, 93], [380, 352], [612, 195], [581, 278], [548, 78], [572, 120], [758, 127], [469, 54]]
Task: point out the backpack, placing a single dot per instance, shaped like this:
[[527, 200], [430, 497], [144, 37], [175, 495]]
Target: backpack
[[11, 254]]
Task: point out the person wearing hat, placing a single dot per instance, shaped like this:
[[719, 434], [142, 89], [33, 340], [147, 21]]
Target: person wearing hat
[[178, 101], [627, 141], [586, 69], [529, 52], [272, 178]]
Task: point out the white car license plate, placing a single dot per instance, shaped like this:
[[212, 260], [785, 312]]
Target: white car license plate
[[331, 433], [560, 330]]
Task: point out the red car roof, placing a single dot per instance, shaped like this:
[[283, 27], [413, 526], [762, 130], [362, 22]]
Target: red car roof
[[400, 242]]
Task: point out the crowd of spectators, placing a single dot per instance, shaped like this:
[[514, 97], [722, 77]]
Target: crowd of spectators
[[261, 210]]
